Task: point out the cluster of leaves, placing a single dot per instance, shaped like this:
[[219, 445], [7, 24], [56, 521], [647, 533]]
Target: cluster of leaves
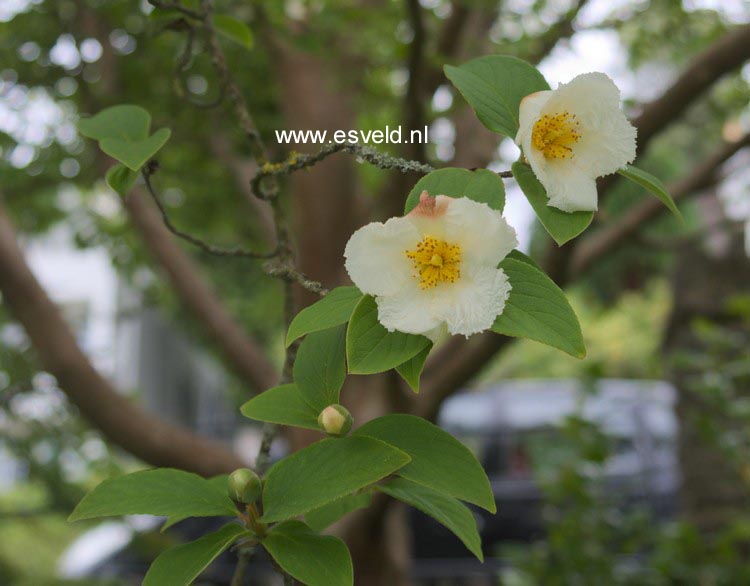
[[590, 538], [400, 455]]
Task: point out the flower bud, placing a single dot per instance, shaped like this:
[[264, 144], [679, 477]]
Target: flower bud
[[335, 420], [244, 486]]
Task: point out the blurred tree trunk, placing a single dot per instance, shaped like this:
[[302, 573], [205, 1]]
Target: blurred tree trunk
[[712, 490]]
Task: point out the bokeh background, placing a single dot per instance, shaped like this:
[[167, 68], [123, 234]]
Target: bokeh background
[[629, 467]]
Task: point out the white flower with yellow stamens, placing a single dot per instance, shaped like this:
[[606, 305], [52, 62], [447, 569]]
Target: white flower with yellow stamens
[[574, 134], [436, 267]]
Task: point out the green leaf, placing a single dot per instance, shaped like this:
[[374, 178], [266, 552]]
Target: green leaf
[[182, 564], [162, 491], [411, 370], [121, 179], [135, 153], [538, 309], [370, 348], [283, 405], [494, 86], [324, 472], [481, 185], [334, 309], [444, 509], [234, 30], [315, 560], [438, 460], [653, 185], [327, 515], [125, 122], [320, 367], [562, 226], [219, 482]]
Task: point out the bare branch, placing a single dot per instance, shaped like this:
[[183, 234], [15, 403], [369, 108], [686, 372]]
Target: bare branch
[[144, 435], [211, 249], [615, 235]]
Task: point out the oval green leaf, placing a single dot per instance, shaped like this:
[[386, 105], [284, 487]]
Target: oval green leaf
[[324, 472], [412, 369], [494, 87], [233, 29], [438, 460], [334, 309], [182, 564], [446, 510], [370, 348], [320, 367], [653, 185], [315, 560], [121, 179], [481, 185], [538, 309], [282, 405], [325, 516], [562, 226], [163, 492]]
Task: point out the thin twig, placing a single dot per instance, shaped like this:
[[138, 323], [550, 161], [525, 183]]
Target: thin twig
[[243, 560], [365, 153], [147, 171], [161, 4]]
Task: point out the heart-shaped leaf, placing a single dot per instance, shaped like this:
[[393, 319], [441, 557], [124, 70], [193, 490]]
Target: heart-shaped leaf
[[135, 153], [126, 122]]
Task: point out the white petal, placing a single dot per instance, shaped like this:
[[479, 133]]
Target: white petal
[[471, 305], [607, 137], [570, 189], [409, 310], [482, 233], [376, 256], [528, 113]]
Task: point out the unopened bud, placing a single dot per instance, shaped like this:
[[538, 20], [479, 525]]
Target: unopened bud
[[335, 420], [244, 486]]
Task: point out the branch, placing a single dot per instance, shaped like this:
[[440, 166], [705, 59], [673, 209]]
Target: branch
[[146, 436], [727, 54], [211, 249], [615, 235], [562, 29], [246, 358], [415, 95]]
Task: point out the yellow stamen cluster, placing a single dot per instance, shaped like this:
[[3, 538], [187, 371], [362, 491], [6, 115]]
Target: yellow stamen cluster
[[436, 261], [555, 135]]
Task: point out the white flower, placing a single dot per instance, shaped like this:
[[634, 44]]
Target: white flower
[[436, 267], [573, 135]]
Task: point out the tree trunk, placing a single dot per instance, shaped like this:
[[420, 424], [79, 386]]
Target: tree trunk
[[712, 491]]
